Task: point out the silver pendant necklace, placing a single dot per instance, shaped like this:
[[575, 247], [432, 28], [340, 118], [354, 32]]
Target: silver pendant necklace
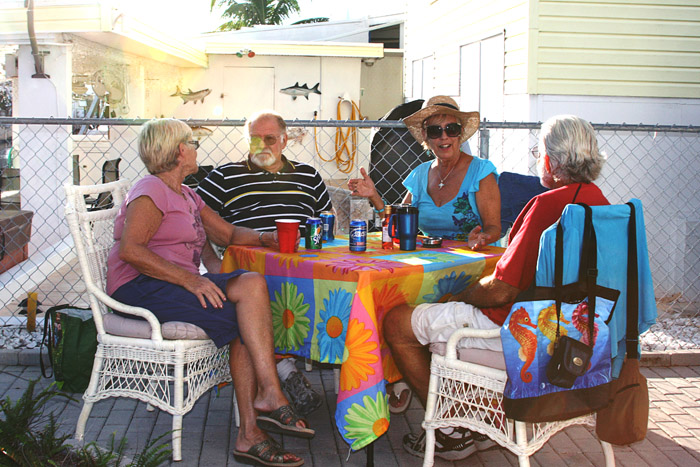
[[442, 180]]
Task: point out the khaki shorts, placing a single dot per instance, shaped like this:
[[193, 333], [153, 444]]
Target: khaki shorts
[[435, 322]]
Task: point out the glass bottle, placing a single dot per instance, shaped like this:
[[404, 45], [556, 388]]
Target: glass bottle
[[387, 241]]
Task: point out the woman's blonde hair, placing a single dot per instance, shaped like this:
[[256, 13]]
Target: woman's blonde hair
[[159, 142], [570, 142]]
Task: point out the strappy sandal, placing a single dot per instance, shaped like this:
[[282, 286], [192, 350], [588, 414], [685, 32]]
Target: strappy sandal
[[267, 453], [284, 421], [399, 397]]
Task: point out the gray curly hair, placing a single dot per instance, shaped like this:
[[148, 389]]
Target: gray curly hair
[[570, 142]]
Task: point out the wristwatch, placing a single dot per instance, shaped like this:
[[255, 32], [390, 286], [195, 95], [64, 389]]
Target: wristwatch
[[260, 238]]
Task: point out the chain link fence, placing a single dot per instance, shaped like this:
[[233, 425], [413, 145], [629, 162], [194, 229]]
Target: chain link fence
[[660, 165]]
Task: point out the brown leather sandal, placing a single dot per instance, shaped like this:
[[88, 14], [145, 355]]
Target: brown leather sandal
[[268, 453], [283, 420]]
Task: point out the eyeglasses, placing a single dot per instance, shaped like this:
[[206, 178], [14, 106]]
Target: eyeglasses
[[194, 143], [269, 140], [452, 129], [535, 151]]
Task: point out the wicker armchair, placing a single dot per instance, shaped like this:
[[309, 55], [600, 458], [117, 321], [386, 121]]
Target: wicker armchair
[[167, 366], [470, 393]]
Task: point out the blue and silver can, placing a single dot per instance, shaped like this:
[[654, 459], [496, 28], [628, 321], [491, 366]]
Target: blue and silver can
[[314, 233], [358, 235], [328, 219]]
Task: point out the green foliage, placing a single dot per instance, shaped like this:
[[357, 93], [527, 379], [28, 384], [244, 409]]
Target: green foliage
[[30, 437], [251, 12], [320, 19]]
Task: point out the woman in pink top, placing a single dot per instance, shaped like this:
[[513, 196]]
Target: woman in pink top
[[161, 235]]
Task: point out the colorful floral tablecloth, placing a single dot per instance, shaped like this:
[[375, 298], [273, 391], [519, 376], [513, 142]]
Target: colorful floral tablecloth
[[328, 305]]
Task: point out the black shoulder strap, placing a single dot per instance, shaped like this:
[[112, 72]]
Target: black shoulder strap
[[588, 270], [632, 287], [576, 194]]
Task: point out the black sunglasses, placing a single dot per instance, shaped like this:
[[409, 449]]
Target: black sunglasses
[[452, 129], [194, 143]]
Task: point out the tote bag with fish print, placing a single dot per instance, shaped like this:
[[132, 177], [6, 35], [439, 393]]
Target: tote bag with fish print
[[529, 334]]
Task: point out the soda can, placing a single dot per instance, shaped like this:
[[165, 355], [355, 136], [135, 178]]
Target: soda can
[[328, 219], [358, 235], [314, 233]]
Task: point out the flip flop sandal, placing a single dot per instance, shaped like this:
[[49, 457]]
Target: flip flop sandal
[[399, 397], [267, 453], [284, 421]]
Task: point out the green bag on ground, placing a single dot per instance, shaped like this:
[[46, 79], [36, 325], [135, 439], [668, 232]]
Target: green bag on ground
[[71, 339]]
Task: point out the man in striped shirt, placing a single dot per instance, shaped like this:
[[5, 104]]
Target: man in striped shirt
[[264, 187]]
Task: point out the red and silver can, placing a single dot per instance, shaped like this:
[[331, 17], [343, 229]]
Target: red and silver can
[[328, 219], [314, 233], [358, 235]]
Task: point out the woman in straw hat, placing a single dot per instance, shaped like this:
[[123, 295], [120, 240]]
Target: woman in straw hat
[[456, 193]]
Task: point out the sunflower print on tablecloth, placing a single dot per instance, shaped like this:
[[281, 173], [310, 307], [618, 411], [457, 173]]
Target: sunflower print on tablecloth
[[369, 421], [289, 322], [331, 329], [447, 287], [358, 356]]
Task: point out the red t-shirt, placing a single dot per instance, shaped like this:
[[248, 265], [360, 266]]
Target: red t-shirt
[[518, 264]]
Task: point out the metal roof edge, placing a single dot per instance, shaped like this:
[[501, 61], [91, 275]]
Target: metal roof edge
[[305, 48]]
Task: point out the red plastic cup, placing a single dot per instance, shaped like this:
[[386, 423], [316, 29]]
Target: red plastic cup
[[287, 230]]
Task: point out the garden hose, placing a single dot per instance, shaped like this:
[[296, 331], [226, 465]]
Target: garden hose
[[345, 140]]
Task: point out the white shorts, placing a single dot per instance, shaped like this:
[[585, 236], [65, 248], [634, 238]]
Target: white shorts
[[435, 322]]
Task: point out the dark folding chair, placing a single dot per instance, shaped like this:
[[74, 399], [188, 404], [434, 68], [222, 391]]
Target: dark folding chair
[[516, 191], [110, 173]]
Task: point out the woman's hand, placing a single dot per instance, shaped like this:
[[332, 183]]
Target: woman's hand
[[205, 291], [363, 186], [477, 239]]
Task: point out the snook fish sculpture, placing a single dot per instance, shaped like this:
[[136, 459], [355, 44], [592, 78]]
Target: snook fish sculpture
[[303, 90]]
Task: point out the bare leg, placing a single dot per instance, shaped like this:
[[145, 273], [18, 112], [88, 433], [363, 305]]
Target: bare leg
[[244, 384], [249, 292], [411, 357]]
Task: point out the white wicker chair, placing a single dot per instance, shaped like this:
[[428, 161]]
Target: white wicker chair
[[160, 367], [470, 395]]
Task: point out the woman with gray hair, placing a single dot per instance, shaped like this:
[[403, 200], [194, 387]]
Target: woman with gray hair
[[161, 234], [570, 145], [568, 161]]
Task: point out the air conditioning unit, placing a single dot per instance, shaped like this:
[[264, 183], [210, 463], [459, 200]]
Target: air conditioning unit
[[11, 65]]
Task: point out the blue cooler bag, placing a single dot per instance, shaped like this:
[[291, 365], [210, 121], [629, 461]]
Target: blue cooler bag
[[543, 316]]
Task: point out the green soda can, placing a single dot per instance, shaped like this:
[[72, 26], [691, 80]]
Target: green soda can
[[314, 233]]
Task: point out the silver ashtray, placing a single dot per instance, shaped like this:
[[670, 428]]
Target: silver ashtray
[[432, 242]]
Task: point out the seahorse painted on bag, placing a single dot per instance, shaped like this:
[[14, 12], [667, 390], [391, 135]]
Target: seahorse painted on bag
[[547, 324], [580, 320], [526, 339]]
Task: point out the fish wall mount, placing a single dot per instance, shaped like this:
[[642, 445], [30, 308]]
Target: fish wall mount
[[191, 96], [303, 90]]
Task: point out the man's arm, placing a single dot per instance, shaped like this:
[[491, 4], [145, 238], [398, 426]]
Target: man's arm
[[488, 292]]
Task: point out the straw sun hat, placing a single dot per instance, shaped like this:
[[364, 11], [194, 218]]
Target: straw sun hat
[[442, 105]]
